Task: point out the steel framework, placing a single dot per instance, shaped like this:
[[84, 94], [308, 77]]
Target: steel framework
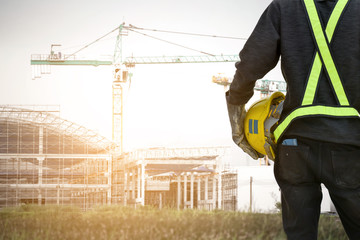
[[48, 160]]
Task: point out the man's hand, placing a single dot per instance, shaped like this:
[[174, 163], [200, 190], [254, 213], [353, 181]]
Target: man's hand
[[237, 115]]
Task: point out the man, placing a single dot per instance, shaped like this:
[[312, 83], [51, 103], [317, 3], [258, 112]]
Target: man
[[318, 138]]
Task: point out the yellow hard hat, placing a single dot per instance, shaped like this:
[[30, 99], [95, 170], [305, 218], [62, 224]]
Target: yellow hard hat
[[262, 116]]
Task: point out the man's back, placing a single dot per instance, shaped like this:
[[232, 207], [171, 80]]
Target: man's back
[[284, 30], [321, 108]]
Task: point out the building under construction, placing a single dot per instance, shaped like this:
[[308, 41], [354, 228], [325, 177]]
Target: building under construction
[[45, 159]]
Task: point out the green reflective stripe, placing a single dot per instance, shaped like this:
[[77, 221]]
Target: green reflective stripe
[[314, 111], [312, 81], [334, 18], [325, 52], [317, 64], [307, 109]]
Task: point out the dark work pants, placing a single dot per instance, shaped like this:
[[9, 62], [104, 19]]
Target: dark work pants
[[299, 171]]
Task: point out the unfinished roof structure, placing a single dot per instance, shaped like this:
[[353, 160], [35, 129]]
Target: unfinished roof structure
[[45, 159]]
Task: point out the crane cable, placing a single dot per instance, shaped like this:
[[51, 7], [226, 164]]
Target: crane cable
[[185, 33], [92, 42], [192, 49], [132, 27]]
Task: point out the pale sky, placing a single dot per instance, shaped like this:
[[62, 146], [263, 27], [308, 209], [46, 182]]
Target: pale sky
[[166, 105]]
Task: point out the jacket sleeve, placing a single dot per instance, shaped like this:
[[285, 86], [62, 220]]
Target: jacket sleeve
[[259, 55]]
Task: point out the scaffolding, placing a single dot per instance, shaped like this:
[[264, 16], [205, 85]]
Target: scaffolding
[[174, 177], [48, 160], [229, 190], [45, 159]]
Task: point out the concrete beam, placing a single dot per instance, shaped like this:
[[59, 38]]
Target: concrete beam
[[181, 162], [29, 155]]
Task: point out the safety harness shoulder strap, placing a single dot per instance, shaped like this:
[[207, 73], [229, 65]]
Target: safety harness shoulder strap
[[323, 57]]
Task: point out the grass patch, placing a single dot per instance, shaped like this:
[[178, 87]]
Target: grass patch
[[117, 222]]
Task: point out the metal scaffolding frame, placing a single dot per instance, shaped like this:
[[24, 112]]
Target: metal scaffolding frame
[[48, 116], [45, 159], [48, 160], [174, 177]]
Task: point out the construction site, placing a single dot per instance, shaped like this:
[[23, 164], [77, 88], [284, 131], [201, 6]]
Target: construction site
[[45, 159], [48, 160]]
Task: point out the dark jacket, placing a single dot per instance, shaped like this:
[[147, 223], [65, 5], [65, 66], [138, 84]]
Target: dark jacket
[[283, 30]]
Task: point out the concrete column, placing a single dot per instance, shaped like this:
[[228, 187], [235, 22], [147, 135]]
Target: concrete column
[[109, 179], [58, 194], [40, 178], [128, 185], [133, 184], [17, 183], [40, 171], [138, 183], [185, 190], [143, 184], [41, 139], [192, 190], [219, 191], [178, 192], [206, 188], [199, 192], [125, 192], [251, 197], [214, 192], [160, 200]]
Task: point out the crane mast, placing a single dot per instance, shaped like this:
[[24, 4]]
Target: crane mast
[[120, 79]]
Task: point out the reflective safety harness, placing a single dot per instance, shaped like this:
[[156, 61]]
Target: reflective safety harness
[[323, 56]]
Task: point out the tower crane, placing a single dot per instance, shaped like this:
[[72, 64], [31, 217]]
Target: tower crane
[[264, 86], [42, 63]]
